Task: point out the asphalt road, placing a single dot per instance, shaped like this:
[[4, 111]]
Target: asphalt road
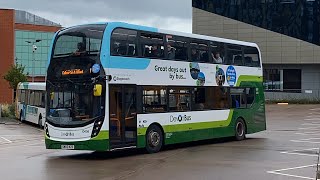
[[287, 150]]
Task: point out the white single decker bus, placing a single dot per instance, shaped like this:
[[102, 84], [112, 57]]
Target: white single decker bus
[[30, 102]]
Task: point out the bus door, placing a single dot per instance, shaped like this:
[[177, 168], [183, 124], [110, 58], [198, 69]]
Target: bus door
[[123, 116]]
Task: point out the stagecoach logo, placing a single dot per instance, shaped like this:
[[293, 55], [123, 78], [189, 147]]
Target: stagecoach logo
[[116, 78], [180, 118], [72, 71]]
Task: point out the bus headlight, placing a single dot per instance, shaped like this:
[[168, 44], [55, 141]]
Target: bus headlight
[[46, 129], [97, 126]]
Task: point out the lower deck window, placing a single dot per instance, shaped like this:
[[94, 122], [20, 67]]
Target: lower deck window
[[158, 99]]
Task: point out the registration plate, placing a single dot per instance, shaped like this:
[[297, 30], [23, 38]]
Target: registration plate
[[67, 146]]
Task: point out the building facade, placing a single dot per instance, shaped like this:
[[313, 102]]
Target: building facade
[[287, 32], [19, 31]]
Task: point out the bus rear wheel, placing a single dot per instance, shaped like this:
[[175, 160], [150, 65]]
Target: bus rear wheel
[[240, 130], [20, 116], [154, 139]]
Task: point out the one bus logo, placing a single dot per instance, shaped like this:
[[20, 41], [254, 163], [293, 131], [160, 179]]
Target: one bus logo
[[72, 71], [180, 118]]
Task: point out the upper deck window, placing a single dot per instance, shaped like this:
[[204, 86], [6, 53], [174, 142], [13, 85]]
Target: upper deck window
[[80, 40], [124, 42]]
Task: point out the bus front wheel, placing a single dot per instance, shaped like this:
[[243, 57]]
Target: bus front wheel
[[40, 122], [154, 139], [240, 130]]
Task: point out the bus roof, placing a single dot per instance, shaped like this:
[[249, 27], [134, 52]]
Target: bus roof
[[191, 35], [113, 25], [32, 85]]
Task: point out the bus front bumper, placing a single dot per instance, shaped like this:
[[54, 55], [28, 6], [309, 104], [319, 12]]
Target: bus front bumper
[[91, 145]]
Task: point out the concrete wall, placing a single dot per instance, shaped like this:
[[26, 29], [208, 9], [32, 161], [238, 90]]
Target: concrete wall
[[310, 83], [275, 47], [277, 50]]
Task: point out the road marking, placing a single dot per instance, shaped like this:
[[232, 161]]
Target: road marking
[[310, 124], [318, 113], [278, 172], [294, 152], [6, 139], [306, 140], [308, 133], [312, 119], [301, 154], [314, 109], [23, 145], [289, 175], [317, 127], [311, 116]]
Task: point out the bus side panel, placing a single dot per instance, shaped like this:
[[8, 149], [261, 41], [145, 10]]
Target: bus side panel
[[254, 116], [200, 128]]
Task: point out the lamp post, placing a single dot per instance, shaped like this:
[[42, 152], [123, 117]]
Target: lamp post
[[34, 48]]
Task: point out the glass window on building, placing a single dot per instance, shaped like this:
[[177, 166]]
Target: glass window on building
[[292, 80], [24, 53], [272, 80]]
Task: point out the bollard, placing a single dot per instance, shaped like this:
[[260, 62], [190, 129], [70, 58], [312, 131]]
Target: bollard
[[318, 171]]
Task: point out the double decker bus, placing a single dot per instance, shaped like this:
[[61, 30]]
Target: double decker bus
[[30, 102], [115, 85]]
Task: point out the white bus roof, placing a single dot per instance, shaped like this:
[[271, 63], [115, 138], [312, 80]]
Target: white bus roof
[[32, 85]]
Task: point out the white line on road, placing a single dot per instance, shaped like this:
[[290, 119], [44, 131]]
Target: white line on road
[[309, 133], [308, 139], [295, 152], [318, 113], [6, 139], [291, 175], [23, 145], [301, 154], [299, 167], [314, 128], [304, 141], [314, 109], [312, 119], [310, 124], [313, 116]]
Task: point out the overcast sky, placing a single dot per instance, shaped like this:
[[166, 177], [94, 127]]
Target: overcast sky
[[165, 14]]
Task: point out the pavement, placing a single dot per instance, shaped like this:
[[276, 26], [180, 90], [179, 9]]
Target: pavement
[[286, 150], [6, 120]]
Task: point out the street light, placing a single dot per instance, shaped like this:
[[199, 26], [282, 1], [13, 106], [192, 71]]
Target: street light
[[34, 48]]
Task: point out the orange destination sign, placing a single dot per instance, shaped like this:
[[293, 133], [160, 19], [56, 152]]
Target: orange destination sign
[[72, 71]]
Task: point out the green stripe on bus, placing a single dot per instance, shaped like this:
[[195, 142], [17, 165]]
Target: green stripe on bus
[[243, 78], [195, 126], [102, 135]]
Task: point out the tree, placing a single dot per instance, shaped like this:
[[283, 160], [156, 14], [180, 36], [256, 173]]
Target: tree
[[15, 75]]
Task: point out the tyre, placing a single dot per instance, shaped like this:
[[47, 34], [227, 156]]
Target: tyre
[[154, 139], [20, 116], [40, 122], [240, 130]]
